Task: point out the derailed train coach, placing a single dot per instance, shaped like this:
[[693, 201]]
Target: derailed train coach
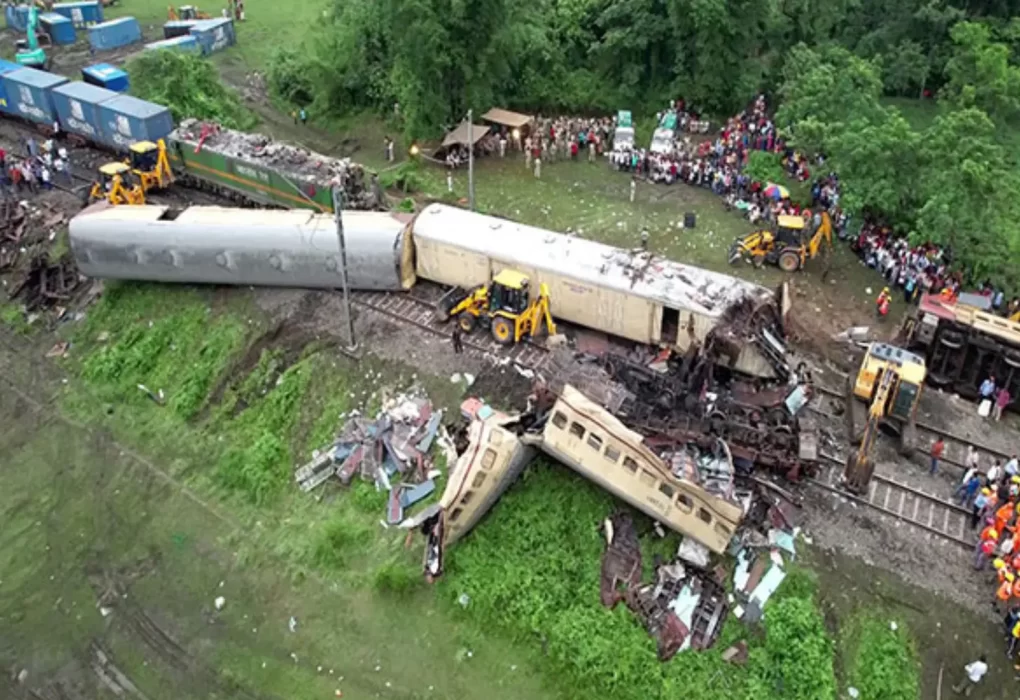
[[218, 245], [630, 294]]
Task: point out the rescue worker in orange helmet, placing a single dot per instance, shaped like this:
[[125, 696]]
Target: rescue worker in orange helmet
[[1003, 593], [1003, 515], [882, 302], [985, 548]]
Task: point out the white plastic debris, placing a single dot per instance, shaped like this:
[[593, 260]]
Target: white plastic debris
[[893, 626], [220, 602], [455, 378], [853, 692], [464, 599], [292, 624]]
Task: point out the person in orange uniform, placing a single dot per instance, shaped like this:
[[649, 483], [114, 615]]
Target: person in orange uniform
[[1003, 593], [1003, 515], [882, 303]]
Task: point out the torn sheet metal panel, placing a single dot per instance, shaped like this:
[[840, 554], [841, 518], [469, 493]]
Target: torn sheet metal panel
[[621, 560], [412, 494]]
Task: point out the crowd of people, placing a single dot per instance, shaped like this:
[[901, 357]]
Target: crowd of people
[[42, 164], [993, 495]]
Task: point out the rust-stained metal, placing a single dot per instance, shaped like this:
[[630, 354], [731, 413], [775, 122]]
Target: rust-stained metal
[[621, 560]]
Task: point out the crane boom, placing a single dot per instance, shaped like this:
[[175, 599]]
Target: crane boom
[[861, 465]]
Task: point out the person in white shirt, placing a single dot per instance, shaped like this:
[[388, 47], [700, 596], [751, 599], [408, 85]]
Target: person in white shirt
[[1012, 466], [994, 472], [973, 673]]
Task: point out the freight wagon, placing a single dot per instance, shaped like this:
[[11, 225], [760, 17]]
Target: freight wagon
[[82, 14], [77, 107], [106, 76], [185, 43], [115, 34], [59, 28], [29, 94]]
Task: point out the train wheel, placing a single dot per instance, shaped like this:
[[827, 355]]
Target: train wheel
[[789, 261], [503, 331], [466, 322]]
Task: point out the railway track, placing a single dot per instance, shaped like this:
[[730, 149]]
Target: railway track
[[956, 446], [905, 503], [417, 309]]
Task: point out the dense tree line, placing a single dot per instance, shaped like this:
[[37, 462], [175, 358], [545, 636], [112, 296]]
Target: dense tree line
[[826, 65]]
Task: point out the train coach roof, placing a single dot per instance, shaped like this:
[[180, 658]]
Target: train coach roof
[[649, 276]]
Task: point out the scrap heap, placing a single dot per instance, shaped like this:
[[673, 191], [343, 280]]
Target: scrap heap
[[686, 605], [296, 163], [391, 450], [666, 395], [25, 236]]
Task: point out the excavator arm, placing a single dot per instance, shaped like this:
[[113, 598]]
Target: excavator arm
[[861, 465], [822, 235]]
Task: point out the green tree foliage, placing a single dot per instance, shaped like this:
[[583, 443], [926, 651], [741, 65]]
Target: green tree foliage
[[905, 69], [763, 166], [189, 86], [968, 192], [980, 74]]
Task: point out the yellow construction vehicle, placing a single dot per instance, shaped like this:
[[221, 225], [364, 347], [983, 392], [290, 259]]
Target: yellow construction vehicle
[[504, 306], [185, 12], [112, 186], [150, 165], [889, 381], [789, 243]]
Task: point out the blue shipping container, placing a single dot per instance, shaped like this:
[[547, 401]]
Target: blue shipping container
[[214, 34], [28, 94], [16, 17], [5, 67], [127, 120], [82, 14], [77, 105], [106, 76], [188, 44], [115, 34], [179, 27], [60, 28]]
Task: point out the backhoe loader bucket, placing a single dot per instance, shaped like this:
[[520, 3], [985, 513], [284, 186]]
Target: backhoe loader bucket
[[448, 301]]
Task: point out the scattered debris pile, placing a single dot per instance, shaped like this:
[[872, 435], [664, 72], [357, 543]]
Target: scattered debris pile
[[686, 605], [392, 450], [298, 164], [663, 393], [683, 609], [25, 236]]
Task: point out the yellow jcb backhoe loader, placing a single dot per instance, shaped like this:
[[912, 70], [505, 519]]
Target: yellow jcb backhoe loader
[[150, 165], [111, 186], [504, 306], [789, 243]]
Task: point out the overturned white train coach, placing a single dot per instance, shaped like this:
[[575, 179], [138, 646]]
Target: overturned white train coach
[[630, 294], [263, 247]]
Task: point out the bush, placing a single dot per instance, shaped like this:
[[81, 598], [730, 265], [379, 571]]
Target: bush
[[406, 177], [258, 470], [397, 578], [190, 86], [339, 538], [883, 664]]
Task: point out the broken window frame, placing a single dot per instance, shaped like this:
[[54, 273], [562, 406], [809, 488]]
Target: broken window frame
[[559, 420], [574, 428]]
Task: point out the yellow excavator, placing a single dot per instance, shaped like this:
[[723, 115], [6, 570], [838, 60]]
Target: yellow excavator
[[113, 185], [789, 243], [150, 165], [146, 169], [890, 381], [505, 306]]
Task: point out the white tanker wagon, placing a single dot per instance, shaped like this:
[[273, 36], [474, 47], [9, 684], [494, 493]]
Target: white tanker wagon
[[632, 294]]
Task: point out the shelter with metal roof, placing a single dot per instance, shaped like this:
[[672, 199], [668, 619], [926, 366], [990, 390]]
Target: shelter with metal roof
[[504, 117]]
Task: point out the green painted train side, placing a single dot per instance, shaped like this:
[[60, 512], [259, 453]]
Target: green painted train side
[[262, 185]]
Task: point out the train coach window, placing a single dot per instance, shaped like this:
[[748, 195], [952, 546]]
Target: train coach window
[[559, 420], [704, 515], [577, 430], [466, 498], [489, 458], [612, 454], [594, 441], [478, 480], [629, 464], [723, 531], [685, 502], [647, 478], [496, 437], [666, 490], [455, 514]]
